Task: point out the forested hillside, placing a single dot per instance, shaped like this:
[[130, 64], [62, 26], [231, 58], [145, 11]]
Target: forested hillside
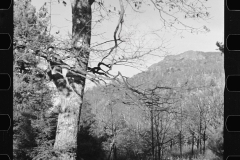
[[184, 118]]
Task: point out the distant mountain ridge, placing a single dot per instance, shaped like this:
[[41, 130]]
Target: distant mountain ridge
[[193, 55], [189, 55], [189, 63]]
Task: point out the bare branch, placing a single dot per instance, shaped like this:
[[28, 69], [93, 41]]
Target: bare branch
[[120, 21]]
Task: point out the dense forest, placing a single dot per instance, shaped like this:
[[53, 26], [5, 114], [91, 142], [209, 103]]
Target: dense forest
[[173, 110]]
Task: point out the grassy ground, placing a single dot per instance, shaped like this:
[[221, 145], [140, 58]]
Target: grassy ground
[[187, 155]]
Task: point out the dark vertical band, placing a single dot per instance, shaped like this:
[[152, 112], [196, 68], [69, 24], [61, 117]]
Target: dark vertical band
[[6, 76], [232, 73]]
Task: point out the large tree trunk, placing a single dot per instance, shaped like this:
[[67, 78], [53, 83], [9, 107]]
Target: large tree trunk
[[71, 101]]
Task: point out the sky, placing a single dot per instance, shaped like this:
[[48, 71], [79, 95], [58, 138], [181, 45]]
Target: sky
[[144, 23]]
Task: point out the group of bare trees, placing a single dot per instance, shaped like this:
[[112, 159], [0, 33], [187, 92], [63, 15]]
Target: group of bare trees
[[159, 120]]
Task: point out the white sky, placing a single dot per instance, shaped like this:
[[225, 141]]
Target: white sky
[[144, 22]]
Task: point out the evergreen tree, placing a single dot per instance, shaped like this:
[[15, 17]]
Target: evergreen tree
[[32, 97]]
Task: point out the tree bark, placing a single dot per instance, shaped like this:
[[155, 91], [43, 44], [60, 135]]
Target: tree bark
[[71, 100]]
